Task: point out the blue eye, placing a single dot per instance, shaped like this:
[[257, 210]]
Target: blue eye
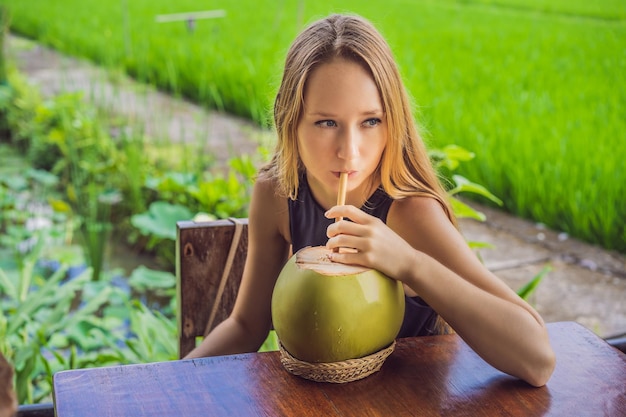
[[326, 123], [372, 122]]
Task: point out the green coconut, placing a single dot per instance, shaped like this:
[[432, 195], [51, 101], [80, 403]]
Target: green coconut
[[325, 311]]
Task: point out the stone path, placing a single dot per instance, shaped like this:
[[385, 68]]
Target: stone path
[[586, 284], [159, 115]]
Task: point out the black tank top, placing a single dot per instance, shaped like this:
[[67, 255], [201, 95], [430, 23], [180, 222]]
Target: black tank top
[[308, 228]]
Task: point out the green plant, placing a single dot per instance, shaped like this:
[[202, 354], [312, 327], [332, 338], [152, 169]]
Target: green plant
[[187, 196], [4, 27], [529, 288], [34, 317], [99, 176], [158, 225], [227, 195], [271, 342], [446, 161], [55, 320], [155, 336], [55, 316], [220, 192], [18, 108]]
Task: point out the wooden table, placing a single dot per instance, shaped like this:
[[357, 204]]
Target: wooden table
[[427, 376]]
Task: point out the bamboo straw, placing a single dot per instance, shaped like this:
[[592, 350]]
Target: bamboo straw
[[341, 196]]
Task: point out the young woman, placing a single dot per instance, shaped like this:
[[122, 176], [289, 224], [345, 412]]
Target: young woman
[[342, 107]]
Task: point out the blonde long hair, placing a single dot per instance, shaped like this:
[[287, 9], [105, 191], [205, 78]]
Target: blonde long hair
[[405, 168]]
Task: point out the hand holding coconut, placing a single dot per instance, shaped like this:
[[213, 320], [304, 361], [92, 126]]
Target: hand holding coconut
[[375, 245], [328, 314], [342, 108]]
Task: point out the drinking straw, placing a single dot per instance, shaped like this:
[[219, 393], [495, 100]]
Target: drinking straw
[[341, 195]]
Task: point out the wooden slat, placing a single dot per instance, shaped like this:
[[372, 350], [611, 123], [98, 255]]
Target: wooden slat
[[201, 252]]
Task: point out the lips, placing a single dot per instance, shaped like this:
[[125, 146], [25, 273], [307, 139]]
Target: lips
[[350, 173]]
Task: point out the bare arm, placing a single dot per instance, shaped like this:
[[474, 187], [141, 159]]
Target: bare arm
[[249, 323], [424, 250]]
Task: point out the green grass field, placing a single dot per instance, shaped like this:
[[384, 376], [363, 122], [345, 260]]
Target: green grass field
[[535, 88]]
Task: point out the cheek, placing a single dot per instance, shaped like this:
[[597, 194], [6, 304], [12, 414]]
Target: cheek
[[312, 142], [306, 150], [301, 141], [376, 145]]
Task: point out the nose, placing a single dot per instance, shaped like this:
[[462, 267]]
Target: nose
[[348, 144]]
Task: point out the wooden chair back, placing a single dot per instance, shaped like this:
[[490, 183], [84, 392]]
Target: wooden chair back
[[210, 257]]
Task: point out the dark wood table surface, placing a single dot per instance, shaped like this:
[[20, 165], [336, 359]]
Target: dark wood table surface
[[426, 376]]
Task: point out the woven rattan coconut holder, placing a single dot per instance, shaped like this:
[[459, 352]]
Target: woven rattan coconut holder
[[336, 372]]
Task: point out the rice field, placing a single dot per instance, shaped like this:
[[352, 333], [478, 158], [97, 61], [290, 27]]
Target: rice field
[[536, 88]]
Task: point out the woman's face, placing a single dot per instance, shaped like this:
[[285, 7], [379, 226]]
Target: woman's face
[[342, 129]]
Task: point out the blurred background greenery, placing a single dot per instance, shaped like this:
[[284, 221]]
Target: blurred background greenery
[[532, 87]]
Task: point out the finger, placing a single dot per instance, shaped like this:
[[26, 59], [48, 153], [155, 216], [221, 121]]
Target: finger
[[345, 227], [348, 211], [340, 241], [345, 256]]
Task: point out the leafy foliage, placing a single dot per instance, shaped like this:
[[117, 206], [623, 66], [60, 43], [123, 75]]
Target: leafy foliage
[[56, 316], [160, 220], [527, 289]]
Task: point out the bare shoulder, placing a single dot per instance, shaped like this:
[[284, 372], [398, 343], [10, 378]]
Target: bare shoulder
[[415, 211], [268, 210], [265, 185], [423, 223]]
